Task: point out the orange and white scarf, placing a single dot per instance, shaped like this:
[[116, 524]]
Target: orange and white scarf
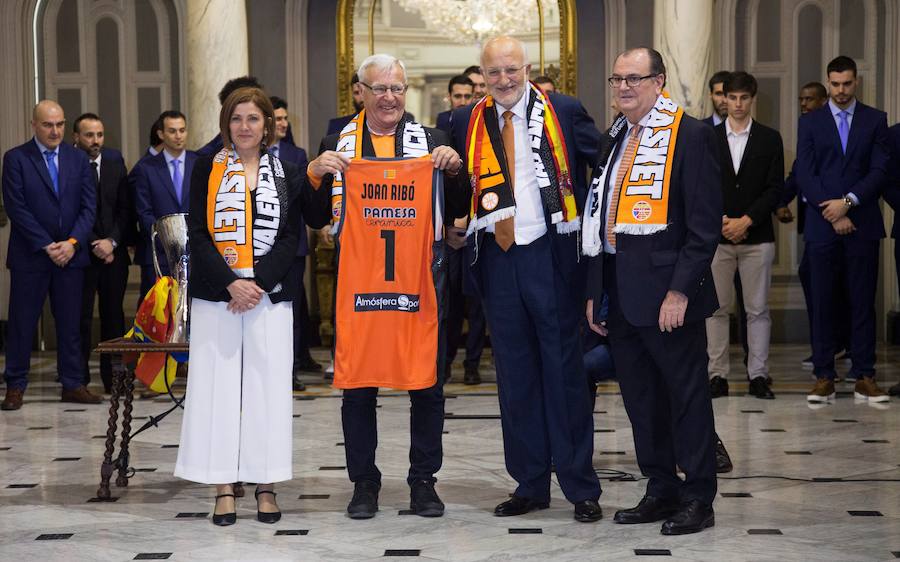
[[411, 140], [492, 197], [240, 238], [643, 206]]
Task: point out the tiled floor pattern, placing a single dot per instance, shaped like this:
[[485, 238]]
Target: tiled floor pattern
[[808, 484]]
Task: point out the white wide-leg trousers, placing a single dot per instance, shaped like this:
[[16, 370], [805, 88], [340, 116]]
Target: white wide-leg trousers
[[238, 408]]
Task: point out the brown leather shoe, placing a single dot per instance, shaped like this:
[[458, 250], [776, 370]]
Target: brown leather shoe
[[13, 400], [866, 389], [80, 395], [822, 392]]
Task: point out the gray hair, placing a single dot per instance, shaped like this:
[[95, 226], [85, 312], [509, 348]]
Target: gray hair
[[382, 63]]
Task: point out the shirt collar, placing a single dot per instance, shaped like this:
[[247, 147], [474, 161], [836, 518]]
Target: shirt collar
[[42, 148], [729, 131], [851, 109], [98, 159], [169, 157], [520, 107]]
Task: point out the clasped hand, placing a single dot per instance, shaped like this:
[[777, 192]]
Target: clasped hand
[[245, 295], [735, 230], [60, 252]]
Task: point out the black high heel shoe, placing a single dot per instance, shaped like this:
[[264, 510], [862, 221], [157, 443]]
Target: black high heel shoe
[[266, 517], [224, 519]]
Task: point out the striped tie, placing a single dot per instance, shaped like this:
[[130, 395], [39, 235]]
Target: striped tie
[[624, 166]]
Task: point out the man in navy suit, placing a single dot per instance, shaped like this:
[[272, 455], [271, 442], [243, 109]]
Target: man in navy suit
[[717, 96], [303, 361], [161, 186], [107, 274], [892, 196], [337, 124], [532, 292], [215, 144], [459, 92], [50, 197], [841, 169], [661, 291]]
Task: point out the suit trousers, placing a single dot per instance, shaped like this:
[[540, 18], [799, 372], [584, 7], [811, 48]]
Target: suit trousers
[[855, 262], [841, 316], [108, 283], [301, 318], [238, 410], [460, 306], [27, 292], [753, 262], [662, 376], [426, 426], [545, 406]]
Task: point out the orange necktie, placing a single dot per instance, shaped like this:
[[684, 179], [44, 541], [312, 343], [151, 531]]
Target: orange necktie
[[505, 230], [624, 166]]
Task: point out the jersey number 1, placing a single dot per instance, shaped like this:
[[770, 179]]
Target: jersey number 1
[[389, 237]]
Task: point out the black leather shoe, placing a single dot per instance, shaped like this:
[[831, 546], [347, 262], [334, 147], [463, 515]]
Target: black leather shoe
[[224, 519], [308, 364], [648, 510], [472, 376], [588, 511], [299, 385], [364, 503], [518, 505], [424, 501], [723, 459], [894, 390], [760, 389], [693, 517], [718, 386], [266, 516]]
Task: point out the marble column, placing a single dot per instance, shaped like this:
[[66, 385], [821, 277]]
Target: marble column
[[415, 98], [217, 50], [683, 34]]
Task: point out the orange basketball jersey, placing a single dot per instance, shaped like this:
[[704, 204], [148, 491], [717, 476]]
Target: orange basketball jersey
[[389, 239]]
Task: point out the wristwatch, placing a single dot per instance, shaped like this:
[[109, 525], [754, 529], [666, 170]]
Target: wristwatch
[[848, 202]]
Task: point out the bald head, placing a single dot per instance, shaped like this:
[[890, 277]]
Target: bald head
[[48, 123], [504, 64]]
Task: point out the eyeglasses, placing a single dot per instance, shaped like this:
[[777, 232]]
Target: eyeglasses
[[509, 71], [632, 81], [381, 89]]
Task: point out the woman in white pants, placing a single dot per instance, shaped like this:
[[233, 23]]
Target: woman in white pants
[[245, 212]]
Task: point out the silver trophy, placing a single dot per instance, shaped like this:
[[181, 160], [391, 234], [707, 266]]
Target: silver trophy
[[172, 231]]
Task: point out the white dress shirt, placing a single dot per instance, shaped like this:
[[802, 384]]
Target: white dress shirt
[[530, 223], [737, 143], [611, 180]]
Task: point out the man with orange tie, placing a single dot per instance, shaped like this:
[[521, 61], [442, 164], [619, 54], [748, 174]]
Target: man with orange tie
[[526, 152]]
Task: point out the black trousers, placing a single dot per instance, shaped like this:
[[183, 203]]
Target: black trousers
[[301, 319], [426, 426], [108, 283], [664, 384], [460, 306]]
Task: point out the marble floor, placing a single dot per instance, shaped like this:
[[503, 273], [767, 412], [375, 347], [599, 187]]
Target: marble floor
[[771, 507]]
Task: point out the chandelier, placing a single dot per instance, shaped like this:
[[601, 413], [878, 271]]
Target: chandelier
[[465, 21]]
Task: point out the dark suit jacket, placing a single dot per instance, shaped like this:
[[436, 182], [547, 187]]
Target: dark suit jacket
[[756, 189], [582, 140], [456, 192], [892, 187], [154, 196], [709, 121], [39, 216], [211, 148], [290, 153], [443, 121], [824, 172], [210, 276], [679, 257], [337, 124], [114, 204]]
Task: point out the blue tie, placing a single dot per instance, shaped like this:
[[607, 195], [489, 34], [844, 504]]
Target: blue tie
[[844, 130], [50, 156], [176, 178], [274, 150]]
